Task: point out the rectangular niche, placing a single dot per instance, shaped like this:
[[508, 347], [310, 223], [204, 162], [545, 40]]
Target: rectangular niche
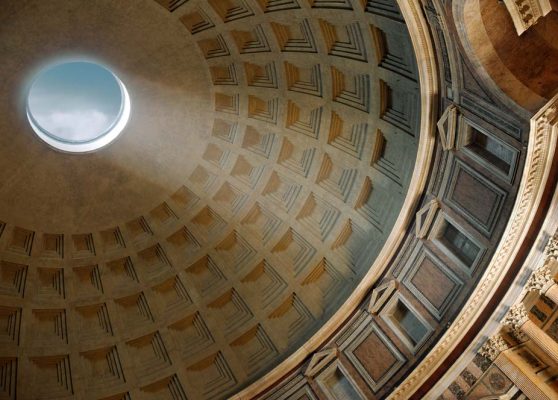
[[337, 384], [457, 244], [406, 322], [487, 149]]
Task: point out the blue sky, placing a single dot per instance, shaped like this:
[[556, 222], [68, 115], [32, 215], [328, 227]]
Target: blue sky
[[75, 101]]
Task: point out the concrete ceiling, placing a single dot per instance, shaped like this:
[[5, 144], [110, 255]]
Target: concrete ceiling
[[265, 162]]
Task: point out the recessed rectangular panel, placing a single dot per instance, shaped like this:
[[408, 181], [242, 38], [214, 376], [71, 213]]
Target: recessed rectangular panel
[[432, 282], [475, 197], [372, 353]]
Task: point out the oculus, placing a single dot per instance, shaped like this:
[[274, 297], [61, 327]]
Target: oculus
[[78, 106]]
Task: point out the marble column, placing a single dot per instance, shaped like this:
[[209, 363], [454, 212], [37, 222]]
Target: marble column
[[519, 319]]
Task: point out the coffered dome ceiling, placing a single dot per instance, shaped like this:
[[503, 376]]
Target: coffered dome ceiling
[[269, 151], [282, 218]]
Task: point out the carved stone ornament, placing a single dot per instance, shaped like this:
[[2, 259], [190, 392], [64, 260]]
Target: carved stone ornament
[[493, 347], [550, 115], [539, 161], [551, 249], [514, 319], [526, 13], [539, 280], [380, 296]]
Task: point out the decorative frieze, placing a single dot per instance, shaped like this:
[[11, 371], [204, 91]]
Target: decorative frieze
[[526, 13]]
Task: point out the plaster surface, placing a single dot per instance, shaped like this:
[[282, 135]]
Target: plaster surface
[[169, 87]]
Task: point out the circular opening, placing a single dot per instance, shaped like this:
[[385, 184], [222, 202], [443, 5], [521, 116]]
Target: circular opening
[[78, 106]]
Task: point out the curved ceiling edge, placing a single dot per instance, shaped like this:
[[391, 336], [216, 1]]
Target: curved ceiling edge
[[429, 90], [535, 178], [517, 291], [481, 62], [171, 261]]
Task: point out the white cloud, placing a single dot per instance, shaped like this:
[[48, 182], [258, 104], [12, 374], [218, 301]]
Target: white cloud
[[75, 125]]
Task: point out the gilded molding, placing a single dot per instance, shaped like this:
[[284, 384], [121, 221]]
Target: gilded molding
[[538, 164]]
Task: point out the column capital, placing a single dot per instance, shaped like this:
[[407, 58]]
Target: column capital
[[541, 280], [551, 248], [493, 347], [515, 318]]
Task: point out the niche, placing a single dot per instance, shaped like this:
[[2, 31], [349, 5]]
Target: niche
[[488, 149], [337, 384], [411, 328], [457, 245]]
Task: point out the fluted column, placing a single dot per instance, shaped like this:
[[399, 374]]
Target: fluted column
[[541, 339], [519, 319], [541, 281], [550, 290]]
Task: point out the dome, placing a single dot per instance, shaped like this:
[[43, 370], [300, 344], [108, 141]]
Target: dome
[[279, 199]]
